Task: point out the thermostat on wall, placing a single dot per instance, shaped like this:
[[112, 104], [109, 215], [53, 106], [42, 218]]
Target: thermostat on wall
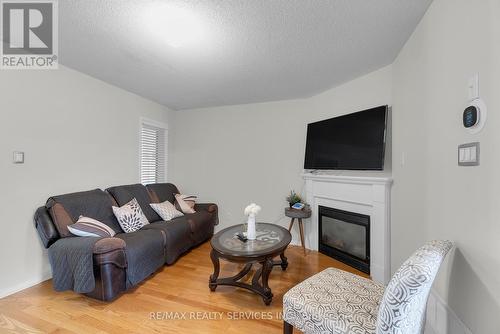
[[471, 116], [474, 116]]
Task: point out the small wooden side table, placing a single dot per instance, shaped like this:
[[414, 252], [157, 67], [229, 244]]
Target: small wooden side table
[[299, 215]]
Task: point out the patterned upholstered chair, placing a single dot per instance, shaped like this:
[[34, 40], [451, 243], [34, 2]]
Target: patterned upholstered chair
[[338, 302]]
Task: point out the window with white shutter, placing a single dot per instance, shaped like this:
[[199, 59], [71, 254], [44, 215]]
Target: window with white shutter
[[153, 153]]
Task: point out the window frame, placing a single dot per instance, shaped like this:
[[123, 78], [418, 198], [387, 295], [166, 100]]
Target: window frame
[[163, 126]]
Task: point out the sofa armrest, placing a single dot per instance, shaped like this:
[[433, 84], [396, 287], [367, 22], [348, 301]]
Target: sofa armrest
[[110, 263], [45, 227], [211, 208], [110, 251], [106, 245]]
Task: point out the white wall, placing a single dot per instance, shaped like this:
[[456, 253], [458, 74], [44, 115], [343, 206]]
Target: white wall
[[78, 133], [236, 155], [433, 197]]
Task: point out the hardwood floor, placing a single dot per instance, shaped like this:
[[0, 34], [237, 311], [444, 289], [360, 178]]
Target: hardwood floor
[[175, 300]]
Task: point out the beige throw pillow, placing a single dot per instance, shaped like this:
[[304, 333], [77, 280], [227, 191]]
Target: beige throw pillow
[[185, 203], [166, 210]]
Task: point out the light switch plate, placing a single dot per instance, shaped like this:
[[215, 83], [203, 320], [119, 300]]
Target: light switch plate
[[468, 154], [18, 157]]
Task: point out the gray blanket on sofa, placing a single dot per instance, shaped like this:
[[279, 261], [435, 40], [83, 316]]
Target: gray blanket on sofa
[[145, 253], [72, 264]]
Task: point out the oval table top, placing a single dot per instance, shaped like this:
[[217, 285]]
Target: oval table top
[[271, 238]]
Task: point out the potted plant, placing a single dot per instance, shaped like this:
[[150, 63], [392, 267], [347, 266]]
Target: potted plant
[[293, 198]]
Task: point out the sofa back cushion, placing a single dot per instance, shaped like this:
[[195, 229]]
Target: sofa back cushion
[[124, 194], [161, 192], [66, 209]]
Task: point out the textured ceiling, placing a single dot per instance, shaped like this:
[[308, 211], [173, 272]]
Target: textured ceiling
[[248, 51]]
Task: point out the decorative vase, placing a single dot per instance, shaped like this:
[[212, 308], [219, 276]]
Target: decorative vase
[[251, 233]]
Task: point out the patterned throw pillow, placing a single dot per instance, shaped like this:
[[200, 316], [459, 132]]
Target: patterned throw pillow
[[185, 203], [166, 210], [130, 216], [88, 227]]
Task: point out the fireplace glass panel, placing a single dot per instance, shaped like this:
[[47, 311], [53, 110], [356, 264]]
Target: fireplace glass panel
[[347, 237]]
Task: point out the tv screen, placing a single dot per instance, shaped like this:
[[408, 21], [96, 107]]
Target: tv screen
[[350, 142]]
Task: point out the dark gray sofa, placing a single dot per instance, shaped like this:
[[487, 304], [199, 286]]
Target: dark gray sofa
[[110, 257]]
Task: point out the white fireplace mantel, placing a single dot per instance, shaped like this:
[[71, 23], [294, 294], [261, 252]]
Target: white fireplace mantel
[[361, 194]]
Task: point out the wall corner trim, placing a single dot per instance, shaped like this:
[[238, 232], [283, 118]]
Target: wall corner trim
[[441, 319]]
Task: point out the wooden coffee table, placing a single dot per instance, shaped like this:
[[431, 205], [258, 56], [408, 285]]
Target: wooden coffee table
[[271, 242]]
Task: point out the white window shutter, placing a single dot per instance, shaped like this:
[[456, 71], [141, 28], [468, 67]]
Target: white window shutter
[[153, 154]]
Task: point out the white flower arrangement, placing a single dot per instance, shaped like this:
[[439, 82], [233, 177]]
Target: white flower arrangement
[[252, 209]]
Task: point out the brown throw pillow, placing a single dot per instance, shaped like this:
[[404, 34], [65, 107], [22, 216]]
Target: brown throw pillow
[[185, 203], [61, 219]]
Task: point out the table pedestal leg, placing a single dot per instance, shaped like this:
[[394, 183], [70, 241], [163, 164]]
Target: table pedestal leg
[[267, 266], [301, 227], [213, 278], [284, 261], [260, 280]]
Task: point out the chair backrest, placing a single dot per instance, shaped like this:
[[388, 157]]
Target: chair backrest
[[402, 309]]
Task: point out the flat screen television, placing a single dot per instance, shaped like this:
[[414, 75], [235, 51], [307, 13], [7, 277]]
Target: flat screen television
[[350, 142]]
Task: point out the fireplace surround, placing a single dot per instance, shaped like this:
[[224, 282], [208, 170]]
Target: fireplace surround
[[364, 195]]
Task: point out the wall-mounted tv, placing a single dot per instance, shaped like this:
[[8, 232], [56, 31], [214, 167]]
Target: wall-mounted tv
[[350, 142]]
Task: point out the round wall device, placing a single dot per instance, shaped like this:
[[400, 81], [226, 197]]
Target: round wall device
[[474, 116]]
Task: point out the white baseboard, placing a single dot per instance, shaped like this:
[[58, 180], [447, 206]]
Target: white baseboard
[[4, 292], [441, 319]]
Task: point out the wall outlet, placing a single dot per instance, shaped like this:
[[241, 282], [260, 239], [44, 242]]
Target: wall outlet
[[18, 158]]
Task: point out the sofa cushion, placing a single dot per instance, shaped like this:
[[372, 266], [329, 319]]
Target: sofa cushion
[[124, 194], [178, 238], [145, 250], [66, 209], [161, 192]]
